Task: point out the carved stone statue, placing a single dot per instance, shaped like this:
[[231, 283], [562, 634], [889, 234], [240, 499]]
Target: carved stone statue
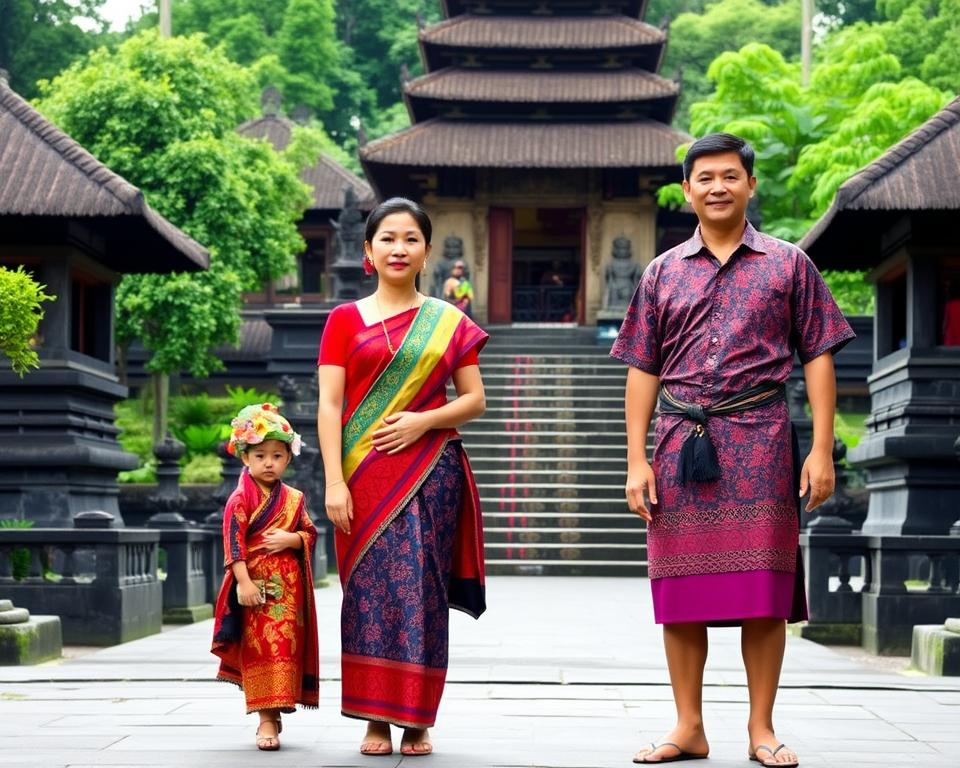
[[452, 253], [620, 276], [348, 264]]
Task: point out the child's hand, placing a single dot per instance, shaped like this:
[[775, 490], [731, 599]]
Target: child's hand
[[277, 540], [248, 594]]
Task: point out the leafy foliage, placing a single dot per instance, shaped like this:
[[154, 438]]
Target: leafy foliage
[[810, 140], [20, 314], [241, 397], [39, 38], [163, 114], [697, 38], [852, 292]]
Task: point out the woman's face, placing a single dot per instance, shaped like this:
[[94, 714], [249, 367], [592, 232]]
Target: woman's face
[[398, 249]]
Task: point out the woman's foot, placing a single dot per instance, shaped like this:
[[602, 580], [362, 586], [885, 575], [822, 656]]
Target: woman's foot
[[268, 733], [766, 749], [682, 743], [377, 741], [416, 741]]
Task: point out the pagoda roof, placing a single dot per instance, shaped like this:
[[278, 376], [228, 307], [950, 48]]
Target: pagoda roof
[[542, 33], [541, 87], [464, 144], [635, 8], [326, 177], [46, 174], [912, 176]]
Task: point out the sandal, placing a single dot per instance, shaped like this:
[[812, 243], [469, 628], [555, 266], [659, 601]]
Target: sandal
[[771, 762], [269, 743], [385, 745], [681, 755]]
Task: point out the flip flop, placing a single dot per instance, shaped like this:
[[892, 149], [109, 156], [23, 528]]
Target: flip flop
[[386, 750], [406, 748], [773, 754], [680, 756]]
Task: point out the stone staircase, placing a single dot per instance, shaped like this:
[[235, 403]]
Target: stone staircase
[[549, 456]]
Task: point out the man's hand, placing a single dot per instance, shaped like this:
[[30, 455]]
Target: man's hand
[[817, 476], [640, 481]]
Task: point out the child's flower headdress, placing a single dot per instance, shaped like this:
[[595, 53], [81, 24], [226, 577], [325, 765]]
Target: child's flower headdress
[[257, 423]]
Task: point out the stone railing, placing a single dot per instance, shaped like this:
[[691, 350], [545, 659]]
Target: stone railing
[[880, 608], [101, 581]]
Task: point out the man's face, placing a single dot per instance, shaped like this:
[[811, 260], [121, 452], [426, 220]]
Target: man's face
[[719, 189]]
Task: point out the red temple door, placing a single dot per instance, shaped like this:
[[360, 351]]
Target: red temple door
[[500, 284]]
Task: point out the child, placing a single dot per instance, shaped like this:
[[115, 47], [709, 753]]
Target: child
[[266, 626]]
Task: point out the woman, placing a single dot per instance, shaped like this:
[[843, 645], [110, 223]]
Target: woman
[[399, 487], [457, 289]]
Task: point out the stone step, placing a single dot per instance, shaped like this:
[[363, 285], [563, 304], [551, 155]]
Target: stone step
[[551, 551], [580, 368], [492, 502], [591, 444], [505, 477], [529, 536], [496, 566], [580, 428], [554, 490], [621, 521], [553, 463], [582, 383]]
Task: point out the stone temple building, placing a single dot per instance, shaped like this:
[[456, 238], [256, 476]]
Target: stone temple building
[[540, 133]]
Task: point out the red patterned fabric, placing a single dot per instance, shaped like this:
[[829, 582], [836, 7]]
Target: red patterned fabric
[[270, 651], [387, 681], [708, 332]]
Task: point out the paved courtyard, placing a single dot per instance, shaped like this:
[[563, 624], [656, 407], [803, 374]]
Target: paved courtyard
[[561, 672]]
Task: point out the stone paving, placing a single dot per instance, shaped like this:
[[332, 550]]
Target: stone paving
[[564, 672]]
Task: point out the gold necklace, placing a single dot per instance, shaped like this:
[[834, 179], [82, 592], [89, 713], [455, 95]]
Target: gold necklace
[[383, 324]]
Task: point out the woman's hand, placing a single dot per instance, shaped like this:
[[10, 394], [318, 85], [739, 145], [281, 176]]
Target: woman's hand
[[277, 540], [248, 594], [401, 430], [339, 506], [640, 480]]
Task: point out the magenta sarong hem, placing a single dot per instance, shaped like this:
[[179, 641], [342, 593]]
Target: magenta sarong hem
[[723, 598]]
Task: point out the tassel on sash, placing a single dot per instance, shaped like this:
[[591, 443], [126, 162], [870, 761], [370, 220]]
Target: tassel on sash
[[698, 461]]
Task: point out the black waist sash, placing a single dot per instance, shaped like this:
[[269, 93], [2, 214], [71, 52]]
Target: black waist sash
[[698, 458]]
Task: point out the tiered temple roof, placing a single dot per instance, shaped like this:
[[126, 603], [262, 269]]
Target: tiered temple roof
[[534, 84], [46, 176]]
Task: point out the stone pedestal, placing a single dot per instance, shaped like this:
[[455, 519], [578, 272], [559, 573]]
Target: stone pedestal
[[26, 639], [59, 454], [936, 648]]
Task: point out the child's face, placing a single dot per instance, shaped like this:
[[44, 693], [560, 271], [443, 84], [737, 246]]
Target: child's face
[[267, 461]]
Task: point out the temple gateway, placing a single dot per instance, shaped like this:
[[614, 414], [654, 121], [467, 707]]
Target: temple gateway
[[540, 134]]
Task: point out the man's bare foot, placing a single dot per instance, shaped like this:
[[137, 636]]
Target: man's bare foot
[[685, 742], [416, 741], [377, 741], [766, 749]]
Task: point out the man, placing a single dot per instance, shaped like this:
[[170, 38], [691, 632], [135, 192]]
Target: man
[[711, 333]]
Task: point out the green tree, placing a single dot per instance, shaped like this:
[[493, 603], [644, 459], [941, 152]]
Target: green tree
[[925, 37], [308, 50], [697, 38], [20, 314], [163, 114], [810, 140], [39, 38]]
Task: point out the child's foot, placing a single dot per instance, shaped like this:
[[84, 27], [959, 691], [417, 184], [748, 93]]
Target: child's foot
[[377, 741], [268, 735], [416, 741]]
